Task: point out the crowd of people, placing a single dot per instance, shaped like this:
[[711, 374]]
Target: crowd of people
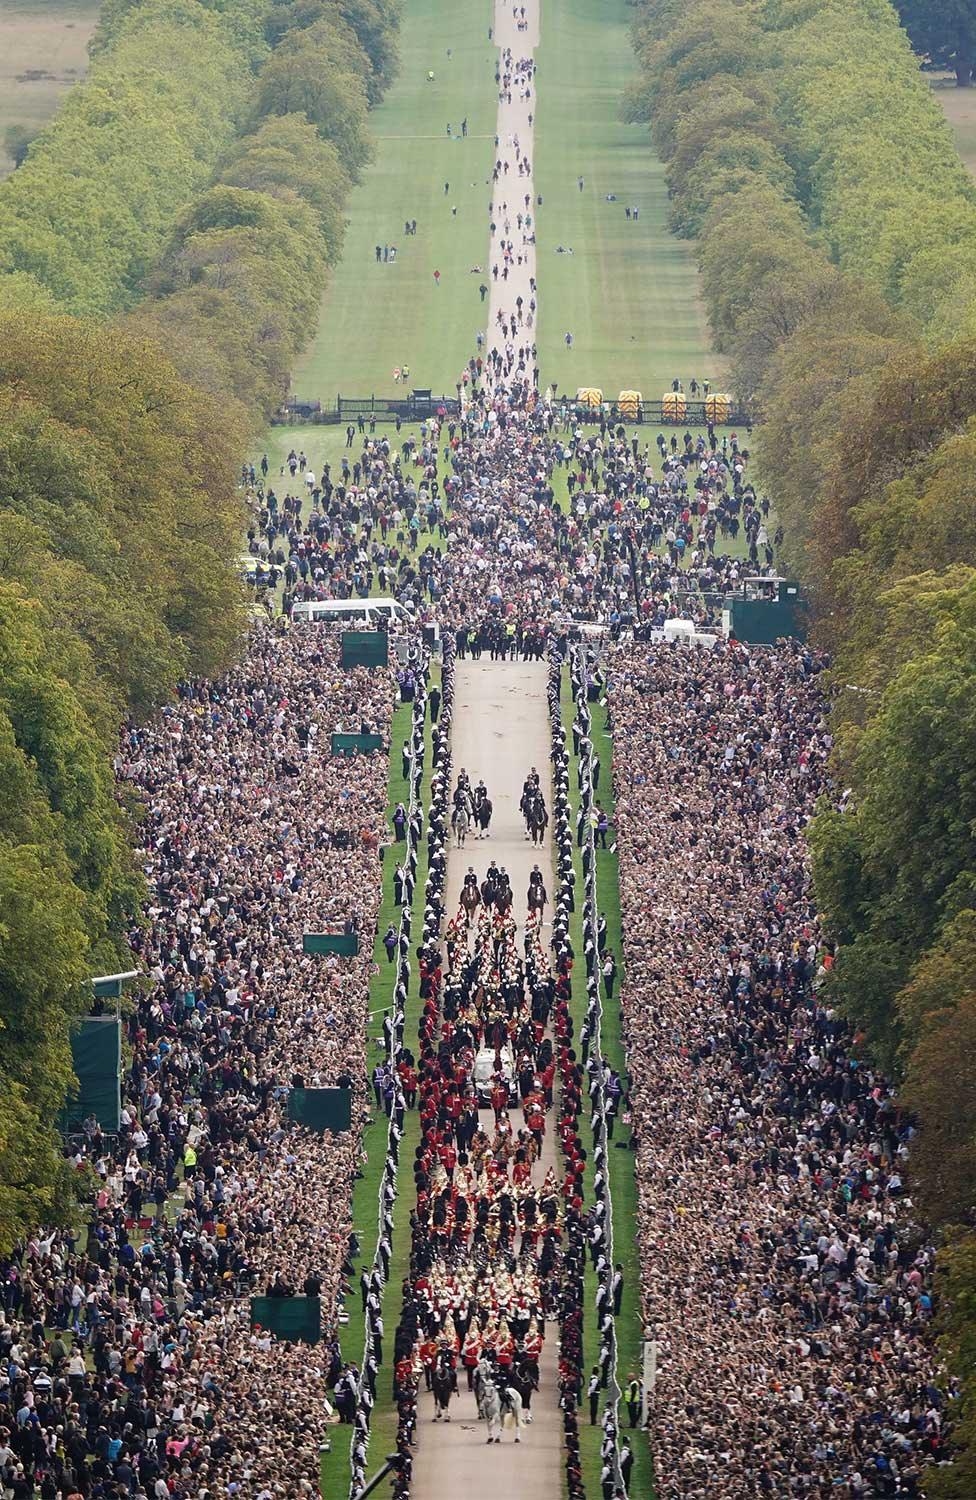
[[130, 1366], [500, 520], [785, 1279], [784, 1275]]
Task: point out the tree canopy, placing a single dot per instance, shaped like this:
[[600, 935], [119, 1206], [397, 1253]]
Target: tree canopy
[[944, 31]]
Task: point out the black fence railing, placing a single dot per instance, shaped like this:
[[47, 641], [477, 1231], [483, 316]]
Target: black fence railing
[[418, 405], [412, 406]]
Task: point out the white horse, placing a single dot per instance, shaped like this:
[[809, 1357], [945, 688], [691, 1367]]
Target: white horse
[[494, 1404]]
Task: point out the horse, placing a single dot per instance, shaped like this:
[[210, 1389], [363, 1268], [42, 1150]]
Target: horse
[[470, 901], [493, 1404], [443, 1383], [525, 1380], [536, 819], [460, 823]]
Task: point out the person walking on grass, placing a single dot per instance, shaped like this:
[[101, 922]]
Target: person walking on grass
[[437, 278]]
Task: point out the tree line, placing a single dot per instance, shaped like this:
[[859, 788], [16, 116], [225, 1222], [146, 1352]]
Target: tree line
[[836, 233], [163, 249]]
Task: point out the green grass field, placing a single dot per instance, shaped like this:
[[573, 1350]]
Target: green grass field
[[629, 292], [376, 317], [43, 51]]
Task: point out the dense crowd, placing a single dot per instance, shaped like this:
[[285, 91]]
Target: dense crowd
[[783, 1273], [252, 833], [636, 540], [509, 518]]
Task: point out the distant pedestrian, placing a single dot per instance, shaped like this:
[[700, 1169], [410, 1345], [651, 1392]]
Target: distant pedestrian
[[437, 278]]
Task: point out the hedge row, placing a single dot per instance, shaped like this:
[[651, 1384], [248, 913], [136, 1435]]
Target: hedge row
[[197, 179], [822, 102]]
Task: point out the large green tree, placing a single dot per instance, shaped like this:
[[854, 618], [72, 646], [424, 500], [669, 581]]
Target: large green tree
[[65, 882], [899, 864], [945, 31], [129, 474]]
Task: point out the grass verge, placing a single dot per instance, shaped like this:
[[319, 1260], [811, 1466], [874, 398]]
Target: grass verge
[[629, 292], [377, 316], [43, 53]]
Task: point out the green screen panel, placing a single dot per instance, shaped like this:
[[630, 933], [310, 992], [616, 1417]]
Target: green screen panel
[[296, 1319], [763, 621], [346, 944], [365, 648], [356, 744], [96, 1056], [321, 1109]]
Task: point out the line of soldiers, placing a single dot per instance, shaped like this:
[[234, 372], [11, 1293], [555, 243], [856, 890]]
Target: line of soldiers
[[502, 639]]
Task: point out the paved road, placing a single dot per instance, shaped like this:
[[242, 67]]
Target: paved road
[[513, 126], [501, 729]]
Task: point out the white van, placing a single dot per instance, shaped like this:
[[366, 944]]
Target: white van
[[369, 613], [685, 633]]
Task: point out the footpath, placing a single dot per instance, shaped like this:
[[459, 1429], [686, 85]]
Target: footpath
[[500, 731], [516, 34]]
